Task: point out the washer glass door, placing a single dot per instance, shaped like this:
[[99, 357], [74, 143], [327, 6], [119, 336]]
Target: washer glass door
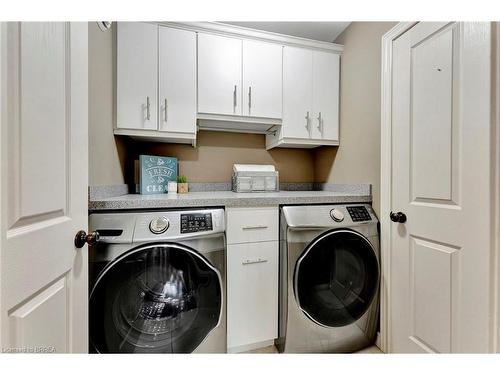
[[161, 298], [336, 278]]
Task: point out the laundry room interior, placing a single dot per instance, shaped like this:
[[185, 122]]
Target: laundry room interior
[[250, 188], [353, 168]]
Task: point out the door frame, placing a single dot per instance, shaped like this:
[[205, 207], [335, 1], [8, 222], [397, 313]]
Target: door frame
[[495, 142], [386, 179]]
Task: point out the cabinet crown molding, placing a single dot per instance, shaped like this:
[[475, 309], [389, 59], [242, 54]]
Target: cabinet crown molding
[[247, 33]]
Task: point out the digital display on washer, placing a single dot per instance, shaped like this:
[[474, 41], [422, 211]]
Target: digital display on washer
[[196, 222], [358, 213]]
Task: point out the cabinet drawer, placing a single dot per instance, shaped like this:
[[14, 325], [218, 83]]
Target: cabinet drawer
[[252, 293], [252, 224]]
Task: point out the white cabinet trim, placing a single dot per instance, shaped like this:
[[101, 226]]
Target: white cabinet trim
[[264, 36], [158, 136], [299, 142]]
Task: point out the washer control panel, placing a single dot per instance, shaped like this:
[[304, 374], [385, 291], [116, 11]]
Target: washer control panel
[[196, 222], [159, 225], [358, 213]]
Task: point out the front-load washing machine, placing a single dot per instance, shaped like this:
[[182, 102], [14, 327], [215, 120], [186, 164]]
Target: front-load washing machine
[[329, 278], [157, 282]]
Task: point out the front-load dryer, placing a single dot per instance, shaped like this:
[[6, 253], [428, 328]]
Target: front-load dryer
[[329, 278], [157, 282]]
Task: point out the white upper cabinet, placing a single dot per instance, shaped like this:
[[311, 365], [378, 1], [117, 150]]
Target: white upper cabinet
[[137, 75], [219, 75], [156, 82], [325, 96], [297, 92], [262, 79], [177, 80], [310, 99], [239, 78]]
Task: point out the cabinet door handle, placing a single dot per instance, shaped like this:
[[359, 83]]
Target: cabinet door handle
[[234, 98], [320, 123], [148, 112], [249, 98], [307, 120], [253, 261], [255, 227], [165, 109]]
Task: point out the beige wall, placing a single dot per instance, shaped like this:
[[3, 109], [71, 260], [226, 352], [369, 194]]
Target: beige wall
[[216, 152], [111, 158], [357, 159], [106, 153]]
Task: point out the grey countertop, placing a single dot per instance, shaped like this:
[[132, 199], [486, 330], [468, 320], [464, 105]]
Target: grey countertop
[[224, 198]]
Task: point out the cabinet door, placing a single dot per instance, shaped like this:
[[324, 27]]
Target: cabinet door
[[325, 96], [297, 92], [219, 75], [262, 79], [177, 98], [137, 75], [252, 293]]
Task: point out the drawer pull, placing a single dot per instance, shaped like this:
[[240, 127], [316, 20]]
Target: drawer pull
[[254, 261], [255, 227]]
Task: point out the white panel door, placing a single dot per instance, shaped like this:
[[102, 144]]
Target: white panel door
[[44, 179], [136, 75], [297, 92], [440, 257], [262, 79], [326, 69], [252, 293], [177, 72], [219, 75]]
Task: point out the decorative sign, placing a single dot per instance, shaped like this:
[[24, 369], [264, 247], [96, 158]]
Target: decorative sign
[[156, 172]]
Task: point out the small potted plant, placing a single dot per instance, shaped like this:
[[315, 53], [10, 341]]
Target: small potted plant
[[182, 184]]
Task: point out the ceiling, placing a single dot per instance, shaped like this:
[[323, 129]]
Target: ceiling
[[325, 31]]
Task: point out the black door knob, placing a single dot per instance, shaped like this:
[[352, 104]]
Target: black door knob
[[82, 238], [398, 217]]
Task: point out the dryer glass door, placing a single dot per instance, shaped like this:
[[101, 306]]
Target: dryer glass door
[[336, 278], [162, 298]]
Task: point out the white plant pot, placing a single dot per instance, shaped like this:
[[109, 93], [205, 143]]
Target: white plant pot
[[172, 187]]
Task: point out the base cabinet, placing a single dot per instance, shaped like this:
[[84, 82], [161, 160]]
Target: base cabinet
[[252, 294]]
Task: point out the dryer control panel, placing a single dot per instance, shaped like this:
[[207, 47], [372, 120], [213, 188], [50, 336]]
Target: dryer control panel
[[196, 222], [358, 213]]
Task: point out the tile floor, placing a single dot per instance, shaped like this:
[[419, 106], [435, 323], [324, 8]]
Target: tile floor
[[272, 349]]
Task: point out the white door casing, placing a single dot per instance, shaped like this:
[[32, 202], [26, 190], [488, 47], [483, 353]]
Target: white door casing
[[219, 74], [137, 75], [177, 80], [44, 162], [297, 92], [262, 79], [326, 77], [436, 287]]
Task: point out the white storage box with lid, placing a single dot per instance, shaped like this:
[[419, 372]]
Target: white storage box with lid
[[254, 177]]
